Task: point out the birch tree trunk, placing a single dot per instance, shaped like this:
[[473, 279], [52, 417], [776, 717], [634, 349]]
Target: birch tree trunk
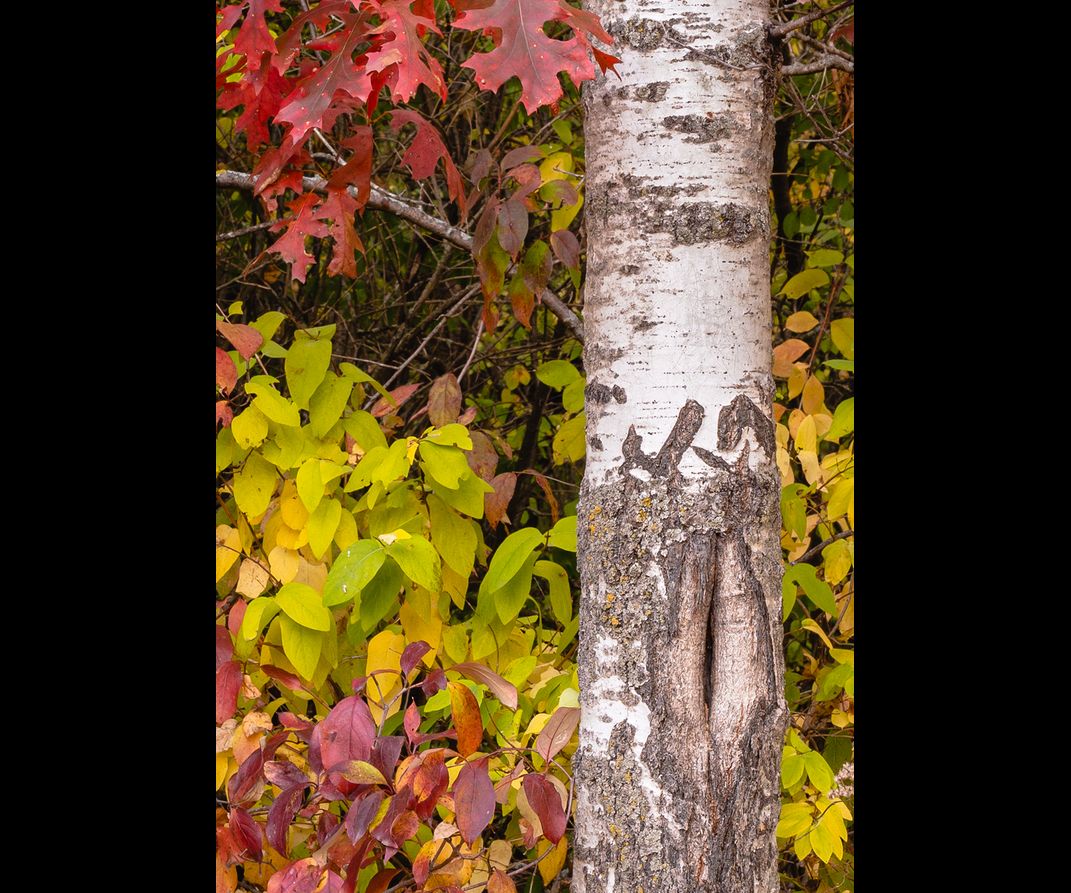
[[681, 668]]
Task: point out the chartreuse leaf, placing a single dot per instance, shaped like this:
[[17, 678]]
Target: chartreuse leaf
[[363, 427], [510, 556], [453, 536], [419, 560], [452, 434], [322, 525], [306, 365], [352, 571], [569, 444], [792, 767], [379, 597], [361, 377], [310, 486], [557, 373], [561, 600], [302, 646], [254, 485], [801, 283], [468, 497], [446, 464], [273, 404], [818, 771], [573, 395], [816, 590], [843, 420], [796, 818], [327, 404], [304, 605], [510, 598], [250, 427], [258, 614], [563, 534]]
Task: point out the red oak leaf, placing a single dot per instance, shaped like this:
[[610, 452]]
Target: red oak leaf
[[306, 106], [261, 93], [291, 247], [254, 39], [402, 56], [356, 172], [524, 51], [426, 150], [319, 17], [340, 207]]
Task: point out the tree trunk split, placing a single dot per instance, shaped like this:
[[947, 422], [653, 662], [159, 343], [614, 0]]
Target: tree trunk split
[[680, 660]]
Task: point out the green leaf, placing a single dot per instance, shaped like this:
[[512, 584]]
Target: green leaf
[[510, 556], [842, 365], [832, 682], [363, 427], [310, 485], [452, 434], [801, 283], [301, 646], [557, 373], [818, 771], [273, 404], [327, 403], [352, 571], [446, 464], [843, 420], [573, 395], [468, 497], [419, 560], [250, 427], [306, 365], [788, 598], [304, 605], [563, 534], [561, 599], [379, 598], [793, 510], [258, 613], [254, 485], [510, 598], [569, 444], [322, 525], [825, 257], [361, 377], [453, 536], [816, 590], [268, 323]]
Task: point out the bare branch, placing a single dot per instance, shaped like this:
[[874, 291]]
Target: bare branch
[[382, 200], [245, 231], [821, 64], [788, 27]]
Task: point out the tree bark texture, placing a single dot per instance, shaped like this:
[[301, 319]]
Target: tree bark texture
[[680, 661]]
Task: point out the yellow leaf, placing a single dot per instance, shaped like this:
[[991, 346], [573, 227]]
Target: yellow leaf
[[842, 331], [796, 380], [455, 584], [221, 769], [814, 395], [806, 436], [420, 622], [802, 321], [841, 498], [802, 847], [837, 562], [823, 421], [811, 469], [291, 508], [822, 842], [228, 549], [809, 624], [840, 719], [283, 563], [252, 579], [561, 218], [784, 465], [314, 575], [290, 538], [552, 864], [554, 166], [346, 533], [500, 854], [384, 653]]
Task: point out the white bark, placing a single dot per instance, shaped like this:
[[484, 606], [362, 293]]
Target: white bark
[[680, 655]]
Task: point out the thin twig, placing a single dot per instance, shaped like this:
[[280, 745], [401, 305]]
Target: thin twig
[[787, 27], [822, 64], [472, 353], [810, 553], [245, 231]]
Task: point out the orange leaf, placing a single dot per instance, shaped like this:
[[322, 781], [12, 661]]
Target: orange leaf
[[785, 354], [466, 718], [500, 882]]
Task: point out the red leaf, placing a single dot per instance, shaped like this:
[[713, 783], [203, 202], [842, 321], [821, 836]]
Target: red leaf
[[361, 814], [347, 732], [411, 723], [496, 503], [245, 339], [467, 718], [557, 732], [399, 395], [545, 485], [282, 813], [235, 616], [500, 688], [224, 648], [426, 150], [474, 800], [287, 679], [403, 56], [254, 38], [845, 32], [404, 827], [482, 458], [226, 371], [247, 833], [566, 248], [444, 400], [224, 413], [291, 246], [523, 50], [340, 207], [606, 61], [521, 300], [429, 782], [306, 106], [411, 656], [382, 880], [520, 155], [547, 805], [302, 876], [228, 684], [261, 93], [356, 172], [467, 416]]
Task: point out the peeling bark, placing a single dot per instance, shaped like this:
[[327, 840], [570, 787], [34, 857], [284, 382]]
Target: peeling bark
[[680, 661]]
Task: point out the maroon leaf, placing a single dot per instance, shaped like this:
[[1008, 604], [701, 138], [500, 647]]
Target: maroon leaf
[[356, 172], [226, 371], [347, 732], [444, 400], [504, 785], [287, 679], [557, 732], [482, 458], [245, 781], [496, 503], [413, 652], [245, 339], [404, 827], [566, 248], [335, 882], [512, 226], [247, 833], [474, 800], [521, 155], [382, 880], [325, 824], [224, 413], [521, 300], [224, 647], [398, 395], [428, 783], [228, 684], [385, 753], [288, 720], [284, 774], [547, 805], [302, 876], [282, 813], [434, 682], [361, 814], [358, 684], [500, 688], [398, 805]]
